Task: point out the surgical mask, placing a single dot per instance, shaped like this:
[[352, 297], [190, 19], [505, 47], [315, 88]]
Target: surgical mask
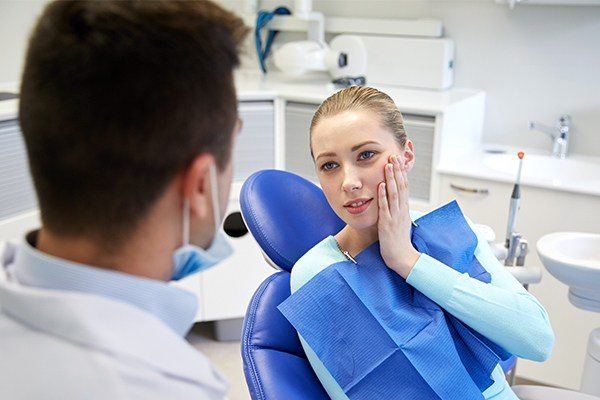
[[189, 258]]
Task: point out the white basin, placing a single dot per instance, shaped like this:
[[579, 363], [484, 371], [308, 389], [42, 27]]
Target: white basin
[[547, 168], [574, 259]]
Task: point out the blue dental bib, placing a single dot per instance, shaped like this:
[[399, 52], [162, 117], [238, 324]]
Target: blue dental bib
[[382, 339]]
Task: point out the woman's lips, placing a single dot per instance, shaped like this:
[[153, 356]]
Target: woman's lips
[[359, 209]]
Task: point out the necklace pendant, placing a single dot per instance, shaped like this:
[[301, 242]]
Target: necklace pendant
[[350, 257], [347, 254]]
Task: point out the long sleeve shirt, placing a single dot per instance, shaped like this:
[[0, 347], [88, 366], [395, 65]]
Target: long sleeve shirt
[[502, 310]]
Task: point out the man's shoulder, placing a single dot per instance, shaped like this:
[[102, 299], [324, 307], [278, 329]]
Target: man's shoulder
[[27, 354]]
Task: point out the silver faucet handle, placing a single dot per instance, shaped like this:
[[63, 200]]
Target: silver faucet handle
[[558, 133], [561, 129], [564, 126], [564, 120], [549, 130]]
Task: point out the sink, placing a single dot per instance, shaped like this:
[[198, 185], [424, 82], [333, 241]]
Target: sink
[[574, 259], [546, 168]]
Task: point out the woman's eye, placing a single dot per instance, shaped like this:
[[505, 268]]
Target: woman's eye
[[328, 166], [370, 154]]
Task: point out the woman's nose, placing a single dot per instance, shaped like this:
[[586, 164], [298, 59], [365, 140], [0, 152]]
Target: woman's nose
[[351, 183]]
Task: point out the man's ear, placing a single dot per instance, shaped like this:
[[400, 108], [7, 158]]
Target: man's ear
[[196, 185], [409, 155]]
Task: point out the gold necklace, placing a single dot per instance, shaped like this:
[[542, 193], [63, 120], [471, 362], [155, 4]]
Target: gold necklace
[[345, 252]]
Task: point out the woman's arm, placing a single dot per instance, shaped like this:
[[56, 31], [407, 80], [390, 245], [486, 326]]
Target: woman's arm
[[503, 311]]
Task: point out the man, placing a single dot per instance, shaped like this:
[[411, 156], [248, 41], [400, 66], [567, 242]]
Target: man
[[128, 110]]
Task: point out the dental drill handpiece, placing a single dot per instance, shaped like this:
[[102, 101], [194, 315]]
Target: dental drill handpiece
[[515, 200]]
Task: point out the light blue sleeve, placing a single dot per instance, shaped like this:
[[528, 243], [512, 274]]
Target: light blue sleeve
[[502, 311]]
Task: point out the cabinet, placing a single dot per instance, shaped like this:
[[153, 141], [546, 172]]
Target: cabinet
[[255, 145], [16, 187], [298, 160], [542, 211], [18, 203]]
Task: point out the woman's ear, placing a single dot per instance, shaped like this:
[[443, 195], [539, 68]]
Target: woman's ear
[[196, 185], [409, 155]]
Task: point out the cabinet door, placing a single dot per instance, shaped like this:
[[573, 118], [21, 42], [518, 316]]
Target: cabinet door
[[484, 202], [255, 146], [18, 202], [297, 140], [421, 131]]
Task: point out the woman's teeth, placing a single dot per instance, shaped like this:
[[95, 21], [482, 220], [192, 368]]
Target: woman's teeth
[[358, 203]]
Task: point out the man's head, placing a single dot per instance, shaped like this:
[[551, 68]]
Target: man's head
[[119, 100]]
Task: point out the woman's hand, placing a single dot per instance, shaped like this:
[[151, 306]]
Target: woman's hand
[[394, 220]]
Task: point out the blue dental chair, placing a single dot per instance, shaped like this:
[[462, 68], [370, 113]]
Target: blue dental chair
[[287, 215]]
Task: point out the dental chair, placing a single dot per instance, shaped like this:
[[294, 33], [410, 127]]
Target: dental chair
[[287, 215]]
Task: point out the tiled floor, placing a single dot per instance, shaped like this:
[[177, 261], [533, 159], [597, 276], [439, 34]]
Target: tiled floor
[[225, 356]]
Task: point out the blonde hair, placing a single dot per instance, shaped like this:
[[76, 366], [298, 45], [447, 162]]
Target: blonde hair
[[362, 98]]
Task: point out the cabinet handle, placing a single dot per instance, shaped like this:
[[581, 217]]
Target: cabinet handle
[[469, 190]]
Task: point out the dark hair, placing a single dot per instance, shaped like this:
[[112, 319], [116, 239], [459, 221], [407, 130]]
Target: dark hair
[[117, 97]]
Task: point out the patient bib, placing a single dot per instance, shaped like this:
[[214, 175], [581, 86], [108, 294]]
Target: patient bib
[[382, 339]]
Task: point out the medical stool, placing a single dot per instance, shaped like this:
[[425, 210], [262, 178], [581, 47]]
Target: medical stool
[[287, 215]]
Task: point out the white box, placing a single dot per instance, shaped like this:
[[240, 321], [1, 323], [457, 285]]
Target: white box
[[418, 63]]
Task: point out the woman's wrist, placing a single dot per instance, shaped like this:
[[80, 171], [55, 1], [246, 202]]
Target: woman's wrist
[[407, 263]]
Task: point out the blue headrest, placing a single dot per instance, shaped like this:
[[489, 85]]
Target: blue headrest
[[286, 214]]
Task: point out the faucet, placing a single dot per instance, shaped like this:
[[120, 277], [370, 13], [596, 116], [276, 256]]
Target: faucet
[[559, 134]]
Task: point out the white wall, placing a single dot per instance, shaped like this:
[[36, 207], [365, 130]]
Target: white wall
[[534, 62], [16, 21]]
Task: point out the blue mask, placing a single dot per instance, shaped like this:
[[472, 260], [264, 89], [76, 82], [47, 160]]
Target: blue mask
[[189, 258]]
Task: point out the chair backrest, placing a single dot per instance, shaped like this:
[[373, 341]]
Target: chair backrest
[[286, 214], [275, 365]]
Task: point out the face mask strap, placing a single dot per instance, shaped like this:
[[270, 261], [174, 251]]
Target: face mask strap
[[215, 197], [215, 201], [186, 222]]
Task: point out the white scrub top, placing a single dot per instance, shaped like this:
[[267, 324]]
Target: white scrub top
[[57, 344]]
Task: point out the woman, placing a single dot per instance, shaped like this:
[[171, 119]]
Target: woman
[[362, 156]]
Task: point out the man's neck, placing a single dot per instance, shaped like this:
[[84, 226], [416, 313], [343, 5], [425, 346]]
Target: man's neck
[[143, 258]]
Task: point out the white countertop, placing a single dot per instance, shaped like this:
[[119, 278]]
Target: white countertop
[[254, 86], [9, 108], [576, 173]]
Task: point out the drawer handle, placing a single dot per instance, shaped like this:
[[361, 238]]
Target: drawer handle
[[469, 190]]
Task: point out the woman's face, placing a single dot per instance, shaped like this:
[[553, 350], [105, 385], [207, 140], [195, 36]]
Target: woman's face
[[351, 150]]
